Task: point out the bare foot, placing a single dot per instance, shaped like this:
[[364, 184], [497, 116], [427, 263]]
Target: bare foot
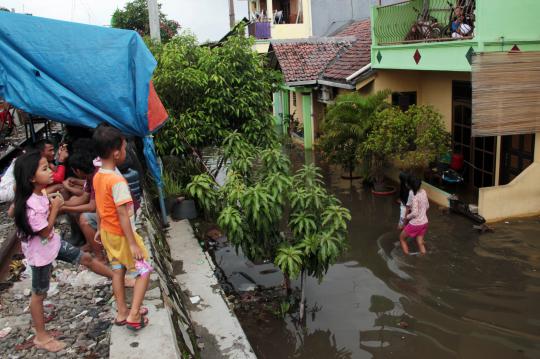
[[51, 345]]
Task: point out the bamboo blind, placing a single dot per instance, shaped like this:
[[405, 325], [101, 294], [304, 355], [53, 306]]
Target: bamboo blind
[[506, 93]]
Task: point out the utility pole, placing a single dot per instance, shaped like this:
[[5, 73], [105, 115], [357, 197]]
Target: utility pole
[[232, 19], [153, 17]]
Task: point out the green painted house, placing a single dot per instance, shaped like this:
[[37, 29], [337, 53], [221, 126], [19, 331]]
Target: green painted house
[[477, 62]]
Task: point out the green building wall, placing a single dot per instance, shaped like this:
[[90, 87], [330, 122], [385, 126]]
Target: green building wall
[[499, 25]]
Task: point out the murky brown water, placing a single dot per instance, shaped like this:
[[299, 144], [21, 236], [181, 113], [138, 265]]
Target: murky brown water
[[473, 296]]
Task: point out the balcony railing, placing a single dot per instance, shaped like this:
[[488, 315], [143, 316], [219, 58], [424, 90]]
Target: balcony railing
[[260, 30], [409, 22]]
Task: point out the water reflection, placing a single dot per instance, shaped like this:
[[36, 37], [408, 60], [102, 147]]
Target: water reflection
[[472, 296]]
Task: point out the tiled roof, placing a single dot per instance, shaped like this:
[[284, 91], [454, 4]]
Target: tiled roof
[[306, 59], [353, 58]]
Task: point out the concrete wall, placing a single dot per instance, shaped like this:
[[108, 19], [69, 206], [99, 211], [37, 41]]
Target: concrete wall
[[520, 20], [329, 16], [519, 198], [432, 88]]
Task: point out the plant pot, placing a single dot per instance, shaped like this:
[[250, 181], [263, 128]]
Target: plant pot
[[169, 203], [185, 209], [383, 190]]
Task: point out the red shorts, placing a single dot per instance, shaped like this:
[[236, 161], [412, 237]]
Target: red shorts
[[415, 231]]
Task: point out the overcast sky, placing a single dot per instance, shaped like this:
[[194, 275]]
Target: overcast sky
[[208, 19]]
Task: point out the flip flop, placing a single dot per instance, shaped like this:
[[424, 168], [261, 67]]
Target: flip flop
[[142, 311], [136, 326], [52, 345]]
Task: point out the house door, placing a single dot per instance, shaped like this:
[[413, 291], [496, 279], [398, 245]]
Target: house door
[[517, 153], [478, 152]]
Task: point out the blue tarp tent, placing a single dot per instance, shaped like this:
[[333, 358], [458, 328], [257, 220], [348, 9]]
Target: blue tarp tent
[[80, 75]]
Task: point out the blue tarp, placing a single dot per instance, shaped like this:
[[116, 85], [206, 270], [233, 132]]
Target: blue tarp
[[78, 74]]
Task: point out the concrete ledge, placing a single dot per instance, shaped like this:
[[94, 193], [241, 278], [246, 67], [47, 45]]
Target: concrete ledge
[[216, 324], [519, 198], [159, 338], [156, 339], [435, 194]]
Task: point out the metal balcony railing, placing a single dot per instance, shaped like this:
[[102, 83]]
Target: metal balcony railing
[[408, 21], [260, 30]]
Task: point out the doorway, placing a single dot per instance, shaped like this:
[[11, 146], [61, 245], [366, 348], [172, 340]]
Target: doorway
[[478, 152], [517, 153]]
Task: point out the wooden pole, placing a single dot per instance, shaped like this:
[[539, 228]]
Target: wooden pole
[[232, 19], [153, 17]]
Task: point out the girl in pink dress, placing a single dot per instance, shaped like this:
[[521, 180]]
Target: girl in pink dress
[[35, 213], [417, 218]]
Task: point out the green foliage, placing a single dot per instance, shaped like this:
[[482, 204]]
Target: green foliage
[[413, 138], [210, 92], [429, 139], [347, 124], [290, 260], [251, 204], [202, 188], [171, 186], [134, 16], [320, 238]]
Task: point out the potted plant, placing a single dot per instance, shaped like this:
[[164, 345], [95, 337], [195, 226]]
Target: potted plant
[[428, 140], [172, 189], [387, 137], [411, 140], [346, 126]]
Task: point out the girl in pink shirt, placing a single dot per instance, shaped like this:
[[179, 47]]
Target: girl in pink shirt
[[35, 214], [417, 218]]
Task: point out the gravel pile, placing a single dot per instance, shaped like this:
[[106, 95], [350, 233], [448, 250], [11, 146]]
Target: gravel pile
[[79, 312]]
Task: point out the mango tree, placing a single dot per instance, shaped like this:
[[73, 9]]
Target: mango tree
[[273, 215]]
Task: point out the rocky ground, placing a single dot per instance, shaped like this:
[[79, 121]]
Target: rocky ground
[[6, 223], [79, 310]]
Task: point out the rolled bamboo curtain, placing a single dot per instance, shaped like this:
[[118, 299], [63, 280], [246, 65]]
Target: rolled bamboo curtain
[[506, 93]]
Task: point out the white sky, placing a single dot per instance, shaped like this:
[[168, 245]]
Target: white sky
[[208, 19]]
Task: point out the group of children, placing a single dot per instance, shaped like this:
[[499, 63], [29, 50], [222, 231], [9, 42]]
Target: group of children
[[413, 221], [38, 202]]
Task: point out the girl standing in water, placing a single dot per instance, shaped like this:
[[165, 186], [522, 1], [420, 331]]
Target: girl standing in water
[[417, 219]]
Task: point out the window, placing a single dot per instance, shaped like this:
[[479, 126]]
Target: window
[[284, 11], [404, 100], [294, 98], [287, 12]]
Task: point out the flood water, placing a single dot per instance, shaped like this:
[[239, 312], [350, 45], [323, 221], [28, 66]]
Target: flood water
[[473, 296]]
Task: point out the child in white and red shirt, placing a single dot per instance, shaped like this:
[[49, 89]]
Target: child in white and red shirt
[[417, 218]]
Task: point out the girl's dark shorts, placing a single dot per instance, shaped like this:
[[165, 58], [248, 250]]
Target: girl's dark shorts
[[41, 276]]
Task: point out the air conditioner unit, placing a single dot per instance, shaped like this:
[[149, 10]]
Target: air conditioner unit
[[326, 94]]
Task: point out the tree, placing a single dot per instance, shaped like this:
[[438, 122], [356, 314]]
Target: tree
[[412, 139], [134, 16], [258, 193], [428, 139], [346, 126], [210, 92]]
